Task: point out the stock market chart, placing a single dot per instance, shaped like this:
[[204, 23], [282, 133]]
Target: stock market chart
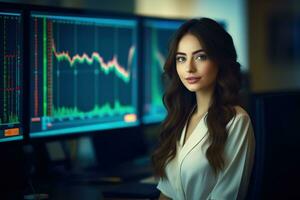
[[10, 76], [84, 74], [157, 36]]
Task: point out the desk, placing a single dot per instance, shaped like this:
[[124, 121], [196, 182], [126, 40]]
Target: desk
[[120, 191]]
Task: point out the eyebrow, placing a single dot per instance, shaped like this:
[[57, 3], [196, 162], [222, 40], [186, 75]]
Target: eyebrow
[[193, 53]]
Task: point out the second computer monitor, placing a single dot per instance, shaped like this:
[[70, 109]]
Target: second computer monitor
[[83, 73]]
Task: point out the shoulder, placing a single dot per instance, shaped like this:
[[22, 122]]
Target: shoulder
[[240, 111], [241, 117], [240, 131]]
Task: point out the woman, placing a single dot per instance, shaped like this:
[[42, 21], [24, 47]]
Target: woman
[[206, 145]]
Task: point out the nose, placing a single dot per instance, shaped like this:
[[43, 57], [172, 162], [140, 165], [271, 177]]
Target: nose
[[190, 66]]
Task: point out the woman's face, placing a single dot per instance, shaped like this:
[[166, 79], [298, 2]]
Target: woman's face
[[196, 70]]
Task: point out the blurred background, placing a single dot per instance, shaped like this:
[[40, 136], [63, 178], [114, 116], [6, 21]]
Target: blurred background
[[113, 161], [249, 23]]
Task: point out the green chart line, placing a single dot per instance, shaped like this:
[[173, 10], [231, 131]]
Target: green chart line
[[12, 118], [105, 110]]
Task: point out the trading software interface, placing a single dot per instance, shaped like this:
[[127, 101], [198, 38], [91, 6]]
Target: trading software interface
[[157, 36], [10, 76], [83, 72]]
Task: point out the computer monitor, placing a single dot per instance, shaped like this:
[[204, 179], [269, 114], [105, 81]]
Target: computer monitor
[[11, 81], [157, 35], [83, 73]]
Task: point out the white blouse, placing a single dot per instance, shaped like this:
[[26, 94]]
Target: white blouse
[[189, 175]]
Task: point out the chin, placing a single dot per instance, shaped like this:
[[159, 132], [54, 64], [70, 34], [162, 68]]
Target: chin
[[193, 88]]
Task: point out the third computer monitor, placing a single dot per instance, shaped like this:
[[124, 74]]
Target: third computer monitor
[[157, 34]]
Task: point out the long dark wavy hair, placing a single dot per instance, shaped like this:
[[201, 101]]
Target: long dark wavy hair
[[179, 101]]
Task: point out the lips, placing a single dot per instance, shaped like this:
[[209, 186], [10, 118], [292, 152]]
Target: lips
[[192, 80]]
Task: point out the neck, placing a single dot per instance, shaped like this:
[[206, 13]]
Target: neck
[[204, 100]]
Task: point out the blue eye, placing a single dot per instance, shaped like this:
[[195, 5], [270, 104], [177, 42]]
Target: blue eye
[[180, 59]]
